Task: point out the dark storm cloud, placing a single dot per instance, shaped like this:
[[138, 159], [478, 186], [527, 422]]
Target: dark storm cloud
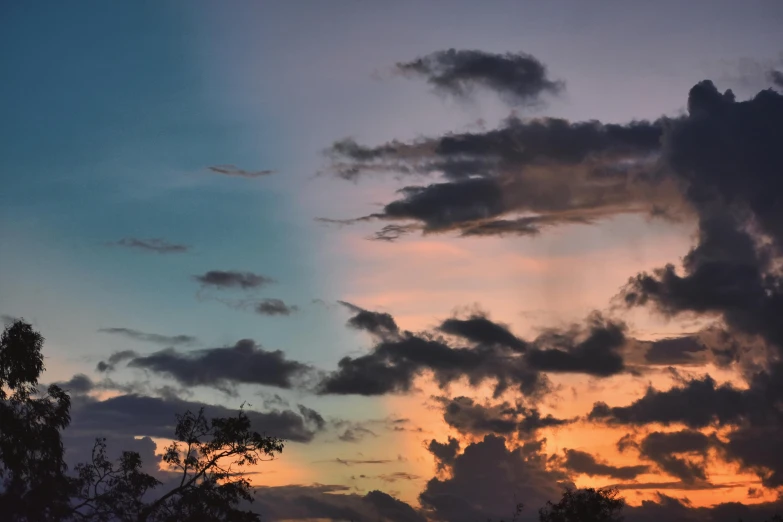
[[160, 246], [469, 417], [245, 362], [273, 306], [232, 170], [507, 476], [518, 77], [233, 279], [114, 359], [139, 415], [561, 172], [137, 335], [377, 323], [581, 462], [479, 329]]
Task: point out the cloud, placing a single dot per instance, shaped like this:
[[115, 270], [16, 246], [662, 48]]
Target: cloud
[[160, 246], [676, 351], [488, 479], [355, 434], [592, 348], [662, 449], [469, 417], [518, 77], [399, 358], [325, 502], [377, 323], [697, 404], [445, 453], [137, 335], [79, 383], [726, 153], [245, 362], [139, 415], [233, 170], [271, 306], [479, 329], [233, 279], [355, 462], [312, 416], [519, 178], [114, 359], [582, 462], [776, 77]]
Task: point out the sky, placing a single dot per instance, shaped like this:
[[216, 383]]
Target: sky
[[459, 255]]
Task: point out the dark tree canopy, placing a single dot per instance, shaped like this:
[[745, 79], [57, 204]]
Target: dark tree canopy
[[584, 505], [33, 485]]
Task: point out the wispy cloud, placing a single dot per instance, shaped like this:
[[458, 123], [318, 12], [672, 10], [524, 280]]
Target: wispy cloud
[[233, 170], [138, 335], [160, 246]]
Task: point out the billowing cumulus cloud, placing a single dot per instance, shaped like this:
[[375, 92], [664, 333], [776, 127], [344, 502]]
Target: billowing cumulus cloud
[[233, 170], [157, 245], [233, 279], [507, 476], [245, 362], [137, 335], [518, 77]]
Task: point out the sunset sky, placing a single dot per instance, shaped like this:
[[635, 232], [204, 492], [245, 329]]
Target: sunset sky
[[465, 254]]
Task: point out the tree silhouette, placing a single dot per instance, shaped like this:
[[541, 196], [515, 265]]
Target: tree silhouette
[[207, 457], [32, 469], [584, 505], [206, 461]]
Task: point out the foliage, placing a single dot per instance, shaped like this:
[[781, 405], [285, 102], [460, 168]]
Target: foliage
[[205, 480], [206, 483], [33, 485], [584, 505]]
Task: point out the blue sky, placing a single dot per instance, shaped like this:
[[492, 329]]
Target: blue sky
[[112, 114]]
